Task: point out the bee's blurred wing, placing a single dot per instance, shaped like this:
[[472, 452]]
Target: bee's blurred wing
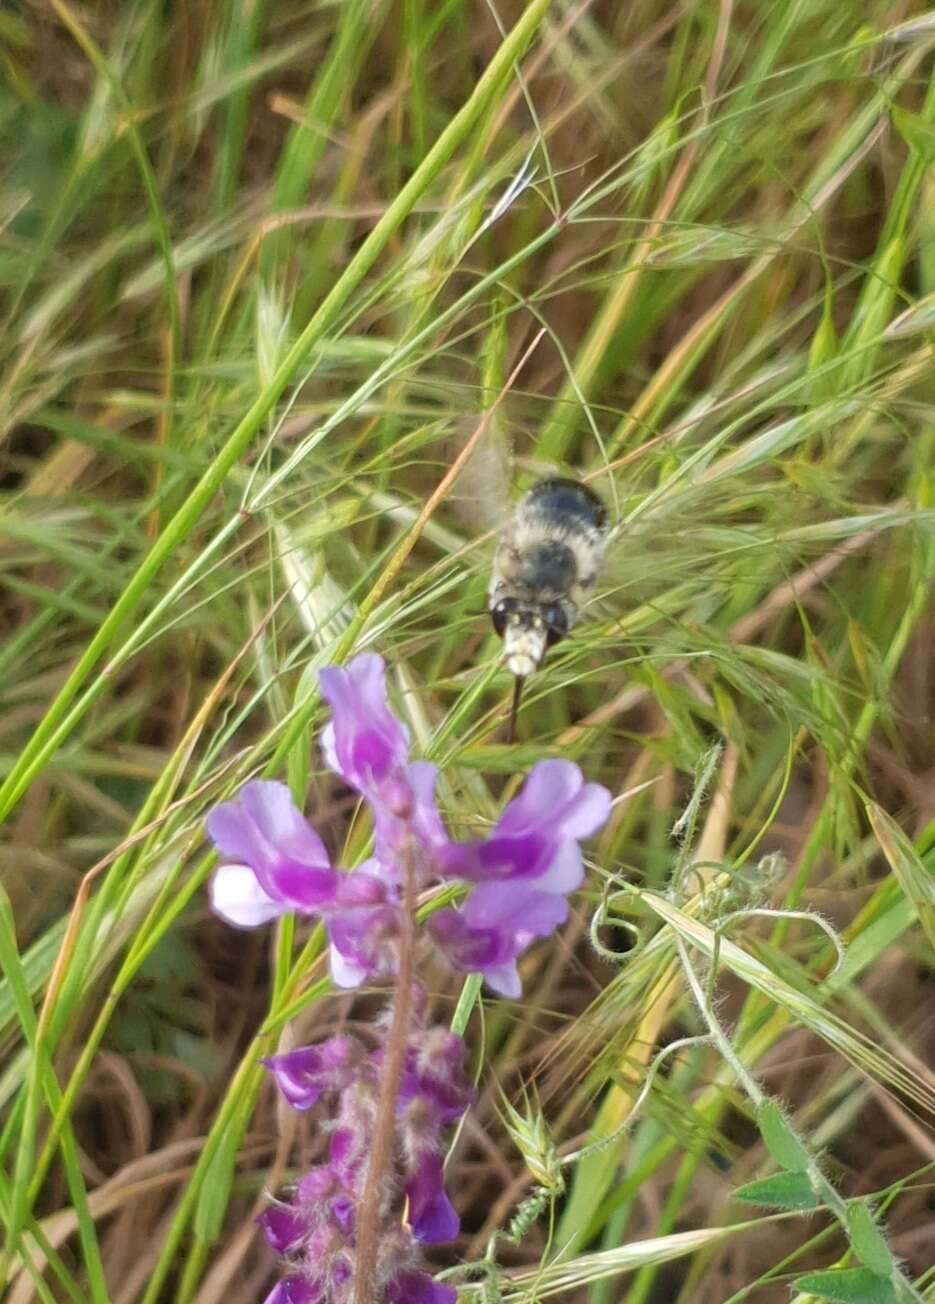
[[480, 497]]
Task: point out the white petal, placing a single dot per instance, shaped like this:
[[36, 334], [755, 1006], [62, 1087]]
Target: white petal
[[589, 810], [344, 972], [236, 896], [504, 980], [329, 750], [565, 872]]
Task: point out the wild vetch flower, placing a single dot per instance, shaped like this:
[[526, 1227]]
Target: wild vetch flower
[[365, 743], [523, 870], [276, 862], [285, 867], [304, 1075], [369, 748], [317, 1231], [536, 838], [280, 862], [494, 927]]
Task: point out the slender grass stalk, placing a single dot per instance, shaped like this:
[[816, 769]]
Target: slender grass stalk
[[384, 1125]]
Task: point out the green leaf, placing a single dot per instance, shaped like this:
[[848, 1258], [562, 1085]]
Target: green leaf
[[781, 1191], [867, 1240], [780, 1138], [918, 134], [917, 318], [872, 314], [216, 1189], [848, 1286], [823, 349], [915, 878]]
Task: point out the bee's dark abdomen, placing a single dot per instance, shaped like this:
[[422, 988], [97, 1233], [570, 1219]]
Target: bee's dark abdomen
[[548, 568], [559, 498]]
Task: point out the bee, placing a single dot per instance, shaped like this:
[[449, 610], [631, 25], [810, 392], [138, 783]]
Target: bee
[[545, 569]]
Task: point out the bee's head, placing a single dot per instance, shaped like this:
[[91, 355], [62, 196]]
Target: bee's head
[[527, 629]]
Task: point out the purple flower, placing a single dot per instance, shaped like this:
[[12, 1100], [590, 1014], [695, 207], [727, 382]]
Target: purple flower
[[419, 833], [347, 1153], [432, 1216], [285, 866], [523, 870], [305, 1074], [283, 1227], [434, 1076], [276, 862], [365, 744], [434, 1091], [294, 1290], [419, 1288], [315, 1232], [537, 835], [369, 748], [364, 927], [494, 927], [280, 862]]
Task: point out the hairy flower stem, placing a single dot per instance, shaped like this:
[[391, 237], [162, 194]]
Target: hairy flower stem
[[381, 1154]]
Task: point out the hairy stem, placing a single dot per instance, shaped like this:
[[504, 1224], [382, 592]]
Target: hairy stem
[[381, 1155]]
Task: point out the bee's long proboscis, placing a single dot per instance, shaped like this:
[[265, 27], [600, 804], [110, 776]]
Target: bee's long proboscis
[[518, 682]]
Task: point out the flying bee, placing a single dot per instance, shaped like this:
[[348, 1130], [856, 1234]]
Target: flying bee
[[544, 571]]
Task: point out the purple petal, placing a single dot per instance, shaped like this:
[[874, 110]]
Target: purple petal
[[362, 887], [341, 1271], [283, 1227], [361, 921], [536, 836], [432, 1216], [310, 889], [495, 926], [277, 818], [499, 858], [420, 824], [315, 1185], [264, 821], [550, 786], [303, 1075], [419, 1288], [464, 947], [365, 743], [516, 909], [265, 830], [294, 1290], [555, 798], [460, 860], [231, 832], [426, 821], [236, 895], [342, 1151], [366, 939], [588, 812], [342, 1211], [434, 1074]]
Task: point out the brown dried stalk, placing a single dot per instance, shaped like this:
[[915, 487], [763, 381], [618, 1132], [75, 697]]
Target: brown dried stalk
[[381, 1155]]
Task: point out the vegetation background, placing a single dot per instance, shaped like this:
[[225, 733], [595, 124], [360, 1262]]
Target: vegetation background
[[271, 273]]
